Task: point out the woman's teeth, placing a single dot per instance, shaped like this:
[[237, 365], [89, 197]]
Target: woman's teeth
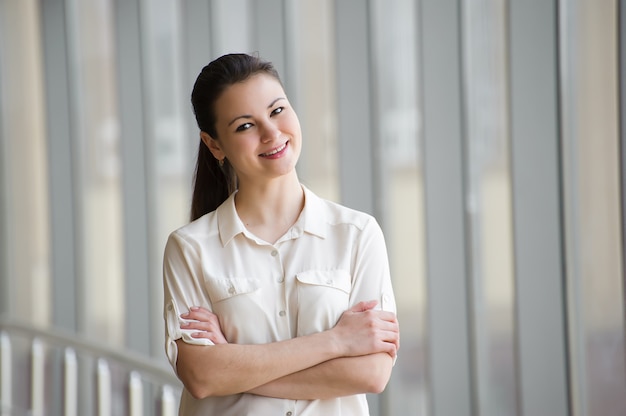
[[273, 152]]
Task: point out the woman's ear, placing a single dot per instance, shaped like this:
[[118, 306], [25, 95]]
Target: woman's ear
[[213, 145]]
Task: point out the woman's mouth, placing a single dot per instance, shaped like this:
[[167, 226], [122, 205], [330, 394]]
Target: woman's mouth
[[276, 152]]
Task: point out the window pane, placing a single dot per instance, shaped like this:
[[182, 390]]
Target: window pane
[[170, 146], [96, 126], [316, 96], [24, 165], [230, 26], [488, 206], [595, 277], [395, 55]]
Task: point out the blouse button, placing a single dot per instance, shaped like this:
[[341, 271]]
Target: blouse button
[[274, 253], [282, 313], [232, 290], [329, 282], [281, 279], [288, 413]]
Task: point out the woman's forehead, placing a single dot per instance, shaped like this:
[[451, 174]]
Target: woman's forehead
[[256, 92]]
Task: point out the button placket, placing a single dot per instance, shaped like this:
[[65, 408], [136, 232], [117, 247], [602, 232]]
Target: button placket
[[274, 253], [281, 279]]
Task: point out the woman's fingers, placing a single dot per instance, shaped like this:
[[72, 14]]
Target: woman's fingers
[[386, 327], [205, 322], [208, 335], [200, 314], [365, 330], [364, 306]]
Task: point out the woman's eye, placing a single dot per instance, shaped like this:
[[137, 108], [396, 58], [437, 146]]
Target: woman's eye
[[244, 126], [278, 110]]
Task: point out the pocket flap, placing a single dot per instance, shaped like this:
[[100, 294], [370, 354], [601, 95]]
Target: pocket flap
[[220, 289], [338, 279]]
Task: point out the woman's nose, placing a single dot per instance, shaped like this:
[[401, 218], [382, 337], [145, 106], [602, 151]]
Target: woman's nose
[[269, 132]]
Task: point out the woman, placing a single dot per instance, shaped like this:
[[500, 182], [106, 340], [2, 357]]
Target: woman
[[276, 302]]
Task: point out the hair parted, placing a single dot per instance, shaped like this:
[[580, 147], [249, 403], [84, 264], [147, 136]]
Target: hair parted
[[214, 183]]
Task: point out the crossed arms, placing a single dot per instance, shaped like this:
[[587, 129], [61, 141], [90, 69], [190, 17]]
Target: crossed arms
[[355, 356]]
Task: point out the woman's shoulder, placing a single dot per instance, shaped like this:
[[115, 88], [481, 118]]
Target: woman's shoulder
[[201, 228], [337, 213]]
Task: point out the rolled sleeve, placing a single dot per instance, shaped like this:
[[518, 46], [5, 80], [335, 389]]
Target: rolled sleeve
[[182, 289], [372, 279]]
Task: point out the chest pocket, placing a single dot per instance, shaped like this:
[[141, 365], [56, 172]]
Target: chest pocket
[[323, 295], [235, 301], [221, 289]]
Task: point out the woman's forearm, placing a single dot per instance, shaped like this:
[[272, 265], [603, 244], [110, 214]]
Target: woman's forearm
[[225, 369], [335, 378]]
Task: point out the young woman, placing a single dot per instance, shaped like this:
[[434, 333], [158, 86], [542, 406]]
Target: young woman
[[277, 302]]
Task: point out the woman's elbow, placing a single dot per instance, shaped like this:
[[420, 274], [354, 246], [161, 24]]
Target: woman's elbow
[[197, 387], [201, 388], [377, 385], [196, 392], [195, 381], [380, 374], [191, 368]]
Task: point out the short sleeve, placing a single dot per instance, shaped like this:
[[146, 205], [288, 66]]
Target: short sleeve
[[182, 288], [371, 278]]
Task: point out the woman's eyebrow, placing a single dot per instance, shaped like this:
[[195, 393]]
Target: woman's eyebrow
[[275, 101], [249, 116]]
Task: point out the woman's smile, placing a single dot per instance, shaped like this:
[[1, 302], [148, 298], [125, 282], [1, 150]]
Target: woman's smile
[[259, 132], [275, 153]]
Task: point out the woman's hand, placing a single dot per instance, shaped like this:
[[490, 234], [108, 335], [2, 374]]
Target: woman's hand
[[205, 322], [363, 330]]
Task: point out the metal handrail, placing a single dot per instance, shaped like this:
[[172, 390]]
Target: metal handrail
[[136, 369], [62, 338]]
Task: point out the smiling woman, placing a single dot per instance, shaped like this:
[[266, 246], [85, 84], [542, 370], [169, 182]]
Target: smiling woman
[[276, 301], [485, 137], [267, 130]]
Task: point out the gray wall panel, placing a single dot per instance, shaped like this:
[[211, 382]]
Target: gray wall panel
[[448, 336], [64, 213], [622, 80], [5, 256], [542, 352], [131, 78], [270, 33], [197, 47], [356, 141]]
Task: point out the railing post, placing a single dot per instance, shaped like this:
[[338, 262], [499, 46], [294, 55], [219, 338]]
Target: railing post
[[70, 394], [168, 403], [5, 374], [104, 388], [76, 378], [37, 377], [135, 394]]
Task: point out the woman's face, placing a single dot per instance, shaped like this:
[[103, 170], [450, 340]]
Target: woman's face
[[258, 131]]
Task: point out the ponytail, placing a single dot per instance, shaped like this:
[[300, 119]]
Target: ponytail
[[212, 183]]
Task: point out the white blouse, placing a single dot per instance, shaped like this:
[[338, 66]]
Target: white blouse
[[332, 258]]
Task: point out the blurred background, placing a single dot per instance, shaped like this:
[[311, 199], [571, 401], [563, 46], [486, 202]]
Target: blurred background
[[484, 135]]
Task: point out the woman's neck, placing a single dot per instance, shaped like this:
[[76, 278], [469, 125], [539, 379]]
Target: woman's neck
[[270, 208]]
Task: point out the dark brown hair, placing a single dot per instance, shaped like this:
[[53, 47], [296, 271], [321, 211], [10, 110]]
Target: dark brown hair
[[214, 183]]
